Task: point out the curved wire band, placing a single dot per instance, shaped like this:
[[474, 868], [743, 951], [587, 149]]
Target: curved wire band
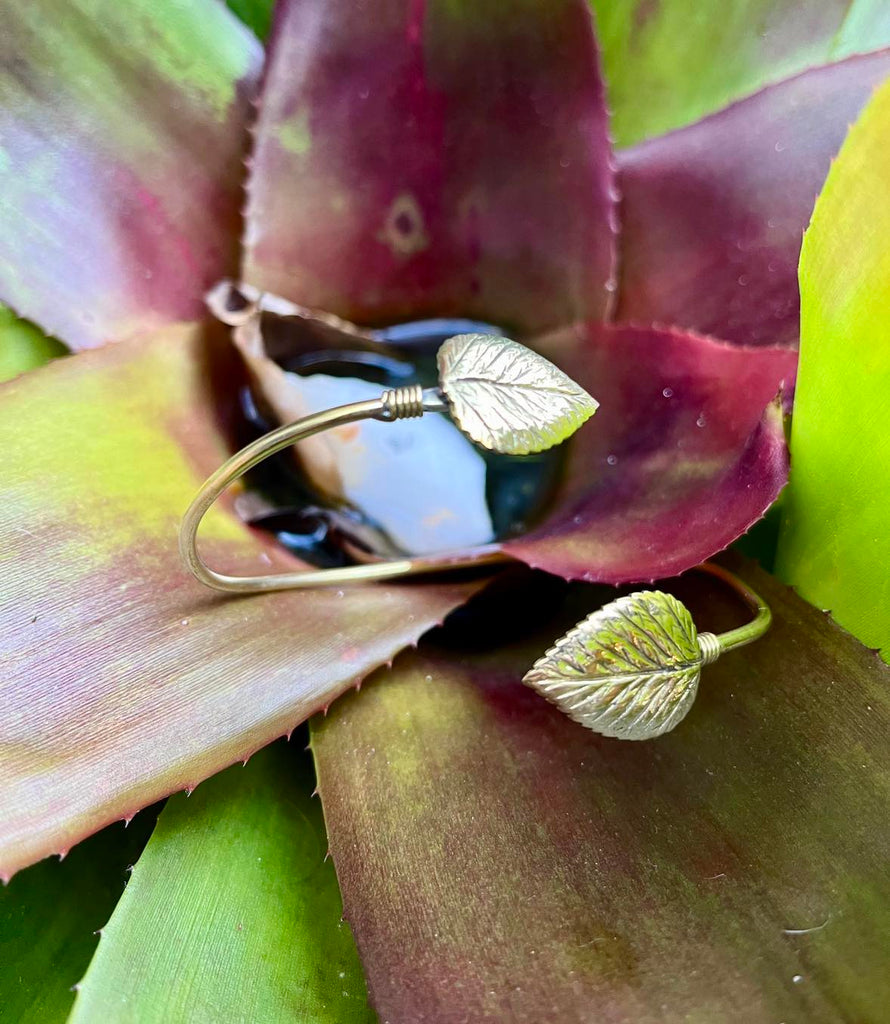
[[394, 404], [713, 645], [398, 403]]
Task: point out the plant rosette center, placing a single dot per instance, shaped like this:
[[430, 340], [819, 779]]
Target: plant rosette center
[[370, 489]]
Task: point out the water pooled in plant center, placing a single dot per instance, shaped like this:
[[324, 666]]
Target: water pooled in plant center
[[412, 487]]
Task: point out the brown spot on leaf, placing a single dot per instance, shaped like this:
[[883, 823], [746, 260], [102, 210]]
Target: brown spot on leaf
[[403, 230]]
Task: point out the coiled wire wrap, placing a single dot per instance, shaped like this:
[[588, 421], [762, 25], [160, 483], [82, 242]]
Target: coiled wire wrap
[[402, 403], [710, 647]]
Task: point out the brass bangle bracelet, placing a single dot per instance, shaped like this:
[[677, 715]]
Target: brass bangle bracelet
[[630, 669], [487, 384], [394, 404]]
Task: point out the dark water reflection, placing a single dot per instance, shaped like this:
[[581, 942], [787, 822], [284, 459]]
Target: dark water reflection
[[283, 501]]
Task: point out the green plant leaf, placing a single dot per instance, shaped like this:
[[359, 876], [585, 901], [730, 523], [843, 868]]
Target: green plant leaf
[[232, 912], [23, 346], [834, 544], [733, 870], [256, 14], [866, 26], [670, 62], [49, 917], [123, 130], [123, 678]]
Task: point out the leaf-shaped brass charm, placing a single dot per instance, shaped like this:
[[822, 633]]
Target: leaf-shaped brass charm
[[629, 670], [508, 398]]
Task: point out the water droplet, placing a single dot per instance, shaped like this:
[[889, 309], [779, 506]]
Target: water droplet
[[565, 162], [701, 421], [340, 593], [612, 460], [668, 392], [797, 979], [743, 280], [428, 679], [779, 147]]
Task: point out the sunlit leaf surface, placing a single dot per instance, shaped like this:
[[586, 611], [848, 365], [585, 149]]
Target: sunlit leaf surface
[[528, 870], [124, 679], [49, 919], [122, 131], [713, 214], [835, 539], [670, 62], [433, 159], [232, 912]]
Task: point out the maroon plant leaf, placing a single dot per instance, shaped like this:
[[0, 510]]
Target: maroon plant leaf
[[123, 678], [122, 128], [685, 453], [713, 214], [500, 862], [433, 158]]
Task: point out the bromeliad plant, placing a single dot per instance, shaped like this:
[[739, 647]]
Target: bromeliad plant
[[401, 161]]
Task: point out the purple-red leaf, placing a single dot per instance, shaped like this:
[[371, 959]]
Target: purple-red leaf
[[499, 862], [686, 452], [435, 157], [122, 129], [123, 678], [713, 214]]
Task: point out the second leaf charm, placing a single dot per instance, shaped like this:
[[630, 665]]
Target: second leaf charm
[[629, 670]]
